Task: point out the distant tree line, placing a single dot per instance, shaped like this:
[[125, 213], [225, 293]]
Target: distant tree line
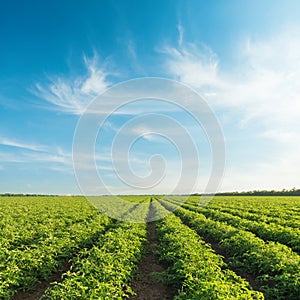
[[23, 195], [284, 192]]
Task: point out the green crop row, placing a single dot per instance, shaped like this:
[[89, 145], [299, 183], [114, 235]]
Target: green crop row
[[270, 232], [38, 234], [280, 210], [276, 265], [271, 204], [27, 221], [260, 216], [117, 206], [23, 269], [196, 270], [106, 270]]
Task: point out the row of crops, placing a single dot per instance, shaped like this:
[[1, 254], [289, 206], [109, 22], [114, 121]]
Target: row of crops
[[106, 270], [270, 231], [197, 271], [39, 235], [275, 266]]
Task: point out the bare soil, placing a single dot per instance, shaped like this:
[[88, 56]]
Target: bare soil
[[146, 285]]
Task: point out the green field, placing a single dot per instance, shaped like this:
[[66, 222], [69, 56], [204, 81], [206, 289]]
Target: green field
[[235, 248]]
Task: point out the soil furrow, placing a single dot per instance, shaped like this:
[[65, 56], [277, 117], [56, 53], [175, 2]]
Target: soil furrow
[[147, 285]]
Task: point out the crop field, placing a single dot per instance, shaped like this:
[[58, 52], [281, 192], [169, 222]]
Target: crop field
[[236, 247]]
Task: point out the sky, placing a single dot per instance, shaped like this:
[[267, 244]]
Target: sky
[[57, 57]]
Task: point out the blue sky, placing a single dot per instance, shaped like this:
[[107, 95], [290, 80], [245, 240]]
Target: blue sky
[[243, 57]]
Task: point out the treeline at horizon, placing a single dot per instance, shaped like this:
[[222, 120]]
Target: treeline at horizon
[[284, 192]]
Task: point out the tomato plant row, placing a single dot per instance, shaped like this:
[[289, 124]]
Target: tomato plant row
[[284, 211], [276, 265], [197, 271], [260, 216], [106, 270], [267, 231]]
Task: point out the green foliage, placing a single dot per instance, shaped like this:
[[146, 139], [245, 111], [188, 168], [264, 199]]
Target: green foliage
[[267, 231], [105, 271], [198, 272], [39, 234], [258, 236], [276, 265]]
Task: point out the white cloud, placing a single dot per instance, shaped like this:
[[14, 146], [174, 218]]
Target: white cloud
[[141, 130], [35, 157], [73, 95], [262, 88], [17, 144], [280, 135], [131, 50], [48, 157], [263, 84], [26, 153], [180, 30], [96, 82], [195, 66]]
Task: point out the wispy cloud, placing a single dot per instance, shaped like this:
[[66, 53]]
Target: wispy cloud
[[261, 89], [49, 161], [263, 84], [72, 95], [197, 66], [26, 153], [281, 136], [133, 58], [180, 30], [131, 50], [18, 144]]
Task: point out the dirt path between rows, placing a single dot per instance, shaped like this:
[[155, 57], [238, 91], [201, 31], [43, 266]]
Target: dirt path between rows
[[146, 285], [41, 287]]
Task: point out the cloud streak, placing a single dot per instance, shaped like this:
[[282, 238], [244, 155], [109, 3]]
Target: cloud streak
[[190, 64], [263, 84], [180, 30], [72, 95], [17, 144], [26, 153], [261, 89]]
